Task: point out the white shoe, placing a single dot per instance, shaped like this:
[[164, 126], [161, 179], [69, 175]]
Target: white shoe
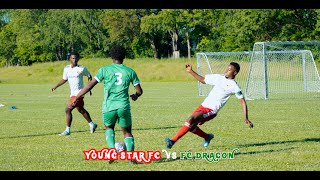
[[64, 133], [93, 128]]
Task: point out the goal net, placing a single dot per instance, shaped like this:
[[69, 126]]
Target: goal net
[[272, 70], [216, 62], [283, 70]]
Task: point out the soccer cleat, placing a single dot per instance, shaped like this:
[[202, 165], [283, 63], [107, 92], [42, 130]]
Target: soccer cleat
[[207, 141], [64, 133], [169, 143], [93, 128]]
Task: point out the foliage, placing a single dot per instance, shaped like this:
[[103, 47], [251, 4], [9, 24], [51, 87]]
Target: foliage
[[140, 48], [41, 35]]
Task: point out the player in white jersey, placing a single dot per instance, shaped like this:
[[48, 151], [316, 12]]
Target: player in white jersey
[[224, 86], [74, 73]]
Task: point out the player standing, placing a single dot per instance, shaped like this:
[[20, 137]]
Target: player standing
[[73, 73]]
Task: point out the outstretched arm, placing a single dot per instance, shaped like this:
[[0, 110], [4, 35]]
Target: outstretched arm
[[245, 112], [194, 74], [62, 81]]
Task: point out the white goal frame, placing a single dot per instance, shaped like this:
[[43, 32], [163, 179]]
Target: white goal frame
[[255, 77]]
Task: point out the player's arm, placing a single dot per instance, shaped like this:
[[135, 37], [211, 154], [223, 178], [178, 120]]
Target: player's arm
[[138, 93], [85, 89], [62, 81], [194, 74], [90, 79], [245, 112]]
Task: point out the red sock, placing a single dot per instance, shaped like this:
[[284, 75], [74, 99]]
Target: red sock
[[182, 131], [200, 133]]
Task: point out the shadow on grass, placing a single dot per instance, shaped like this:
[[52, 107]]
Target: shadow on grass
[[162, 160], [275, 143], [264, 151], [83, 131], [281, 142]]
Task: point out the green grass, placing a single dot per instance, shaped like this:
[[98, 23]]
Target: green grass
[[285, 136]]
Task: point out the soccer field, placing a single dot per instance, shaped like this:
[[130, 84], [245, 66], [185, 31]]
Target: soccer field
[[285, 136]]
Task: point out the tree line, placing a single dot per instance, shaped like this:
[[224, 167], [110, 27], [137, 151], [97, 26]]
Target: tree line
[[42, 35]]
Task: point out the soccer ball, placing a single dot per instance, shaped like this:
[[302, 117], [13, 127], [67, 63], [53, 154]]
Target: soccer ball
[[120, 146]]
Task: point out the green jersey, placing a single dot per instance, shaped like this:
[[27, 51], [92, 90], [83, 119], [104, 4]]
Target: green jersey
[[117, 79]]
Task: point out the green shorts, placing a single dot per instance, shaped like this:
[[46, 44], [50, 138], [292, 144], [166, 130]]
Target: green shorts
[[120, 116]]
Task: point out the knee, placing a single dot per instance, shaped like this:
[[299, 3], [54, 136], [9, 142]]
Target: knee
[[194, 120], [67, 110], [191, 120]]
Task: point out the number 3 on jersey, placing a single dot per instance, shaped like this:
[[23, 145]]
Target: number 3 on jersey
[[119, 78]]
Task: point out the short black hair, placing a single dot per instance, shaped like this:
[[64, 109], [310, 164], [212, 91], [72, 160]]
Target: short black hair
[[236, 66], [118, 52], [75, 54]]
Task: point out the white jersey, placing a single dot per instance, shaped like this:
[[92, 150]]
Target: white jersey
[[222, 89], [75, 77]]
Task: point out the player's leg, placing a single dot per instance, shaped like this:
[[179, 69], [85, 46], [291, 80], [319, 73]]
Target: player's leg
[[188, 125], [207, 115], [110, 137], [68, 111], [109, 120], [207, 137], [199, 116], [80, 107], [125, 122]]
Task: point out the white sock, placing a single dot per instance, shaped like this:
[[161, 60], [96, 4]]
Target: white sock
[[68, 129], [91, 124]]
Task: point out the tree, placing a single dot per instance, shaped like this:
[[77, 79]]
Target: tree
[[123, 26], [150, 28]]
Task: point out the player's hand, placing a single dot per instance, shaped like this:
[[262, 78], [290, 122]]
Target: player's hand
[[249, 123], [189, 67], [134, 97]]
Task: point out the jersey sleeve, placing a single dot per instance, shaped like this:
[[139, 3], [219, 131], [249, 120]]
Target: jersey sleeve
[[99, 75], [86, 72], [135, 79], [64, 76], [238, 92]]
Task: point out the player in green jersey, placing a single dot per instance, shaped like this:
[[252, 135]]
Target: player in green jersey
[[116, 103]]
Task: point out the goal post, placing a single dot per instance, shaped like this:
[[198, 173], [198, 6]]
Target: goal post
[[283, 70], [271, 70]]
